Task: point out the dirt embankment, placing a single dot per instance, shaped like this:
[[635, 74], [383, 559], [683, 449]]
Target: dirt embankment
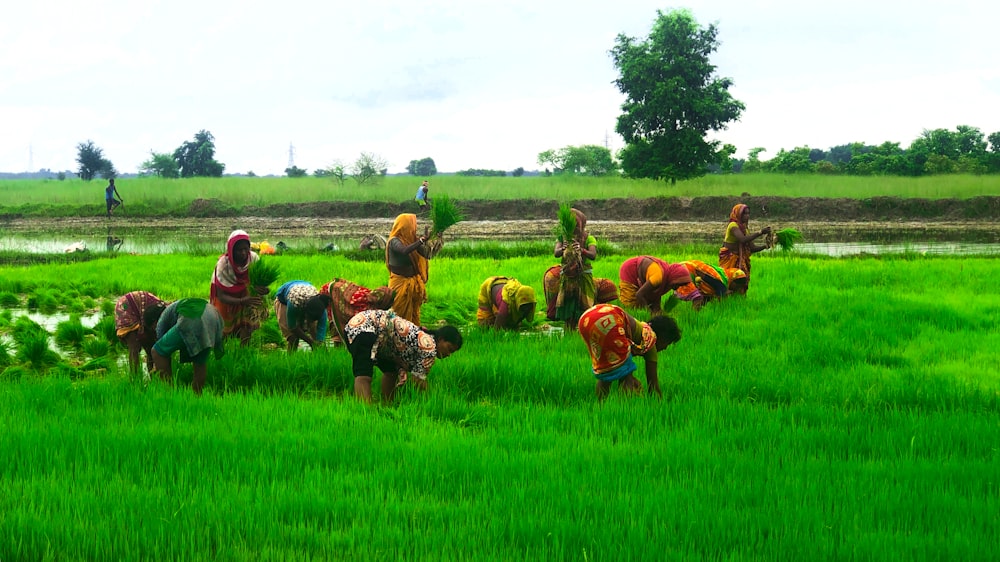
[[654, 209]]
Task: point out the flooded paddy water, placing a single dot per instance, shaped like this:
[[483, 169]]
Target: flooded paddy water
[[179, 235]]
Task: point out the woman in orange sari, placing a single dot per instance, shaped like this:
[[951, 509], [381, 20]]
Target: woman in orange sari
[[406, 256], [643, 280], [241, 306], [737, 246], [710, 282]]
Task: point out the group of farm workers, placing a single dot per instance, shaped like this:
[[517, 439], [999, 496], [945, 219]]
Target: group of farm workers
[[381, 328]]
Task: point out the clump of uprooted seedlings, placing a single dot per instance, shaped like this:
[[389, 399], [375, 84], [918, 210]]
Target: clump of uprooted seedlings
[[444, 214], [263, 272], [786, 238]]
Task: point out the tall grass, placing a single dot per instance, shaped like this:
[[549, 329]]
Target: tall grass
[[155, 196]]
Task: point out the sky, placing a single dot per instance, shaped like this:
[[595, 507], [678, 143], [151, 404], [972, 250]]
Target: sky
[[470, 84]]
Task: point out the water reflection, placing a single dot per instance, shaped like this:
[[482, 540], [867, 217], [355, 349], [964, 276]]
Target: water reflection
[[843, 249]]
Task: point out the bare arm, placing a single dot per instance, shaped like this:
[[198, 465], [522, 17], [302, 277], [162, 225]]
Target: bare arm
[[590, 252], [237, 301], [652, 379], [646, 297], [560, 248]]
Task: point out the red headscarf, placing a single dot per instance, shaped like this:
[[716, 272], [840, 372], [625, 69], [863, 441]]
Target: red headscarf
[[229, 276]]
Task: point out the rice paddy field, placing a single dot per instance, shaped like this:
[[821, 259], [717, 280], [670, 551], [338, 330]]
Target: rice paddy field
[[846, 409], [155, 196]]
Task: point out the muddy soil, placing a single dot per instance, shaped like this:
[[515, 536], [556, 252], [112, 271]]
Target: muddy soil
[[324, 228]]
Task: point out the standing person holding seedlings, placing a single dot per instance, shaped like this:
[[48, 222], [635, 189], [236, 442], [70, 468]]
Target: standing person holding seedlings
[[643, 280], [132, 329], [613, 337], [301, 313], [737, 245], [348, 299], [406, 256], [504, 303], [397, 347], [193, 327], [570, 287], [241, 306]]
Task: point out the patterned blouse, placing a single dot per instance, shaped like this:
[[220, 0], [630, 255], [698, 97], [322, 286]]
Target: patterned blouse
[[398, 338]]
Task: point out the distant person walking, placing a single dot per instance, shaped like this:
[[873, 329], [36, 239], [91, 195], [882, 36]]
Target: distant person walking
[[421, 198], [109, 196]]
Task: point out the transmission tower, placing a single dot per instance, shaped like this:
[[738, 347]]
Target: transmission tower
[[291, 155]]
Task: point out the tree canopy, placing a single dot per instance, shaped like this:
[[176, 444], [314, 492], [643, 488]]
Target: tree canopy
[[673, 99], [588, 159], [197, 158], [92, 162], [422, 167]]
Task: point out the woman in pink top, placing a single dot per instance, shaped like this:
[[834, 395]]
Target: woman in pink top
[[643, 280]]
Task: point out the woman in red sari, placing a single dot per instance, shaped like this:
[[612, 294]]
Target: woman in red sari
[[348, 299], [241, 306], [737, 246]]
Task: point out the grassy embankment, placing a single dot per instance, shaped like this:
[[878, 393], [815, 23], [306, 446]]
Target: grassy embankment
[[845, 409], [154, 196]]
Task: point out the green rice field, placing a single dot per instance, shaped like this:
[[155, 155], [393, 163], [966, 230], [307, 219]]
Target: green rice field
[[155, 196], [846, 409]]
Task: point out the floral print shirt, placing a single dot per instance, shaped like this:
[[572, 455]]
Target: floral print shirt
[[397, 338]]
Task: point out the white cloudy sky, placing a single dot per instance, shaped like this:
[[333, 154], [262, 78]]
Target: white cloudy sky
[[470, 84]]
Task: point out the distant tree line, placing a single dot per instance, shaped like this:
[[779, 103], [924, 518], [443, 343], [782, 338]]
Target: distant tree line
[[481, 173], [192, 159], [940, 151]]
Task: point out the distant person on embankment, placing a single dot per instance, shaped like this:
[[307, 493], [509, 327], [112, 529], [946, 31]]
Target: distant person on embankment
[[737, 245], [423, 201], [109, 197], [613, 337]]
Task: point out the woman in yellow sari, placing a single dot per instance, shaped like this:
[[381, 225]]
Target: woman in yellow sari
[[406, 256], [737, 246], [504, 302]]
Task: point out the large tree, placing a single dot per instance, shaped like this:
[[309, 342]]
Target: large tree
[[673, 99], [423, 167], [92, 162], [197, 158]]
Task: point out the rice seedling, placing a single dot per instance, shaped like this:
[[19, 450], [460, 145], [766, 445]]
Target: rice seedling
[[95, 347], [33, 351], [5, 358], [9, 300], [105, 328], [785, 239], [70, 333], [25, 328], [264, 272], [444, 214]]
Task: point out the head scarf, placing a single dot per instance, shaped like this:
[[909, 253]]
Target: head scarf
[[736, 215], [676, 275], [517, 295], [405, 228], [733, 274], [580, 234], [229, 276]]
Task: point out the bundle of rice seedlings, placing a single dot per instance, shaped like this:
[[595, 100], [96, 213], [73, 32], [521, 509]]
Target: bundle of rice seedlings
[[444, 214], [567, 223], [670, 303], [70, 333], [786, 238], [263, 272]]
